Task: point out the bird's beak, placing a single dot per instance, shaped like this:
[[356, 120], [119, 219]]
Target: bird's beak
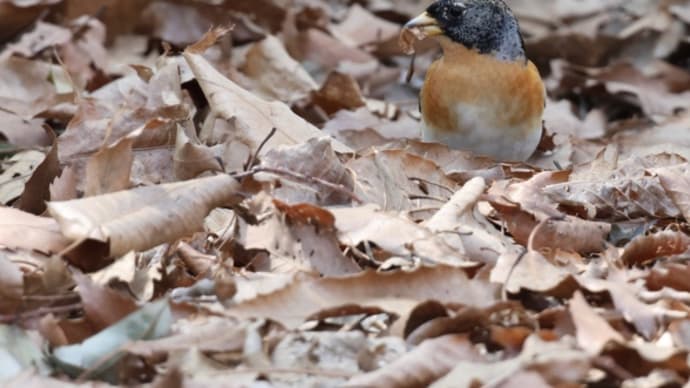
[[426, 24]]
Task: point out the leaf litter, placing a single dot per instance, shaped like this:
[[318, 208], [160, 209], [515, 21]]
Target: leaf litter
[[255, 208]]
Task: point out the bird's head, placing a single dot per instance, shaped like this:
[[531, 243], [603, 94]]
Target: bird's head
[[487, 26]]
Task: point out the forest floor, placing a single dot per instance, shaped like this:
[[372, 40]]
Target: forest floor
[[234, 193]]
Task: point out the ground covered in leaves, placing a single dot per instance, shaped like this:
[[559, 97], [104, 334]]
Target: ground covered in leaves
[[253, 208]]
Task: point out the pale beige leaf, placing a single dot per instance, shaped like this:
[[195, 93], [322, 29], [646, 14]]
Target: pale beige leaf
[[462, 227], [191, 159], [559, 361], [315, 159], [593, 332], [27, 231], [209, 334], [23, 133], [422, 365], [396, 292], [530, 193], [628, 191], [398, 235], [64, 187], [144, 217], [676, 182], [336, 352], [254, 118], [399, 180], [25, 88], [276, 75], [533, 272], [361, 27], [647, 318], [109, 169], [11, 285], [462, 202], [16, 172], [298, 237]]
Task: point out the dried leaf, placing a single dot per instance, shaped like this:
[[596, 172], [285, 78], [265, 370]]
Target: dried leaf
[[593, 332], [643, 249], [144, 217], [298, 237], [676, 180], [314, 159], [37, 187], [275, 74], [253, 117], [17, 171], [397, 292], [20, 230], [549, 358], [430, 360]]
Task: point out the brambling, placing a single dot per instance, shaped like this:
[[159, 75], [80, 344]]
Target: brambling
[[482, 94]]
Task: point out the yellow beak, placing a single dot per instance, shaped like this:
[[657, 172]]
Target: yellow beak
[[426, 24]]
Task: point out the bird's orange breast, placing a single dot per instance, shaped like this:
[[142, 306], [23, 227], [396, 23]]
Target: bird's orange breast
[[509, 95]]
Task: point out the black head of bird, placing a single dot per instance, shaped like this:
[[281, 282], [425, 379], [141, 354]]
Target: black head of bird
[[487, 26]]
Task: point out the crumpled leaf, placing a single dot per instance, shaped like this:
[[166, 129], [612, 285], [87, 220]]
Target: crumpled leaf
[[17, 170], [430, 360], [647, 318], [144, 217], [313, 159], [398, 291], [676, 180], [253, 117], [275, 74], [558, 360], [593, 332], [298, 237], [19, 229], [397, 235], [397, 180], [532, 271]]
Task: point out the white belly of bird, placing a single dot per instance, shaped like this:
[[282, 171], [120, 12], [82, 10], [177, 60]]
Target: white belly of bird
[[515, 144]]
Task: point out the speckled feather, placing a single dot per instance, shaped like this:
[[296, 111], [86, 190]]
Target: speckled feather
[[487, 26]]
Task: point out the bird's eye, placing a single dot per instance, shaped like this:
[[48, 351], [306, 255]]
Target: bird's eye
[[456, 10]]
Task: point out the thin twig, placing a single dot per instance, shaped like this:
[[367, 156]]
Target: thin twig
[[429, 197], [73, 85], [7, 318], [52, 298], [315, 372], [300, 178], [255, 155], [424, 209], [410, 69], [430, 183]]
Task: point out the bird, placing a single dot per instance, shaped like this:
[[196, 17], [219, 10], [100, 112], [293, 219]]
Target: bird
[[482, 94]]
